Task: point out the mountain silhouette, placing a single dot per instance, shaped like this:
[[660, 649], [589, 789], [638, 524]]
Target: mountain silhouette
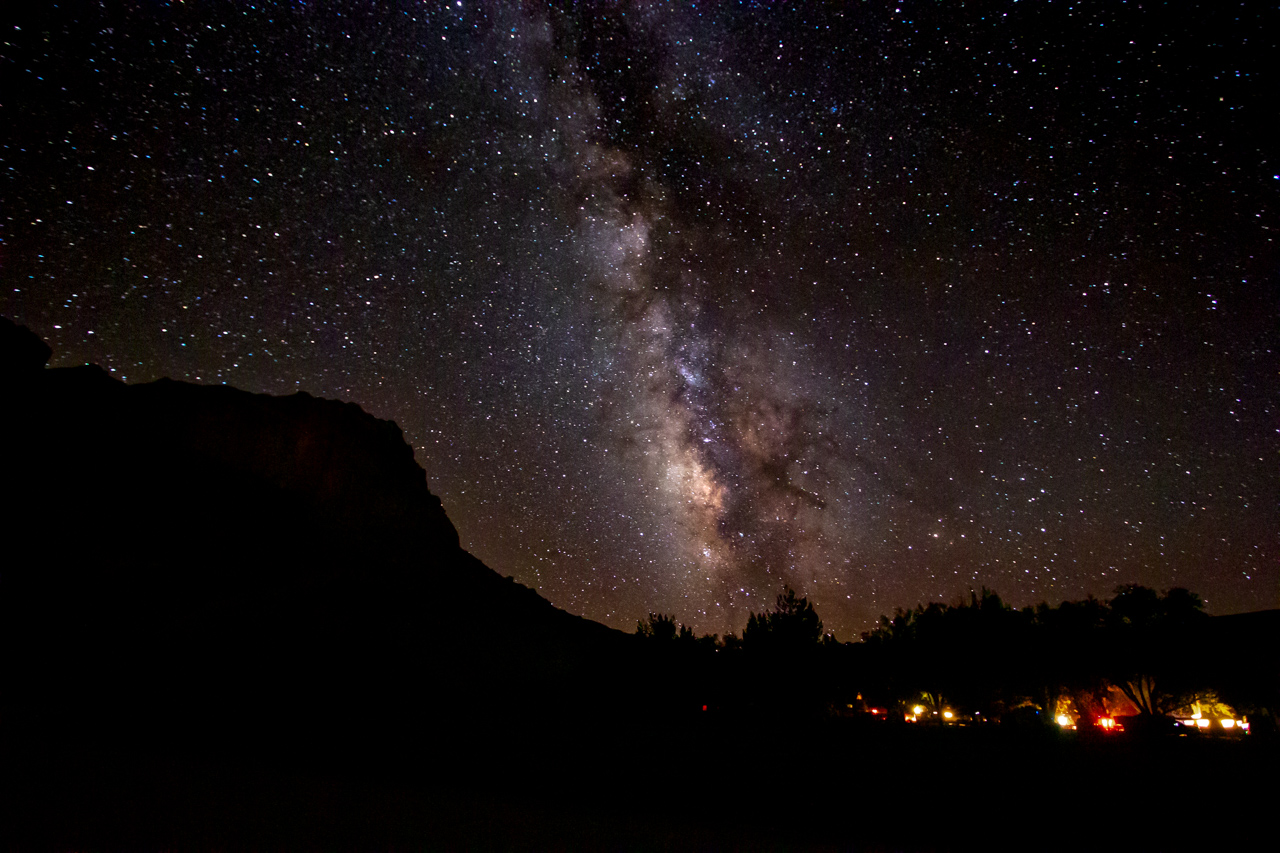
[[209, 565]]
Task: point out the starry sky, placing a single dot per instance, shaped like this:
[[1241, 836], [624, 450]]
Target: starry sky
[[678, 303]]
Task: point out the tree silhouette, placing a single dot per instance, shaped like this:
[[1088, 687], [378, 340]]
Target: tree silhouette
[[1070, 643], [660, 628], [1150, 637], [793, 626]]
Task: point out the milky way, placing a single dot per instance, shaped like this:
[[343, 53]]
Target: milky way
[[711, 403], [680, 303]]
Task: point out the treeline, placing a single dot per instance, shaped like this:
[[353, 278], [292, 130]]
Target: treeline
[[1137, 653]]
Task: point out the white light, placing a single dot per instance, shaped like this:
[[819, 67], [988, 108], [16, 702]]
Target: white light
[[1228, 724], [1064, 720]]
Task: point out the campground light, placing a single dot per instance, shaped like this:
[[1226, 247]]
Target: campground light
[[948, 715], [1228, 724], [918, 710], [1064, 720], [1202, 722]]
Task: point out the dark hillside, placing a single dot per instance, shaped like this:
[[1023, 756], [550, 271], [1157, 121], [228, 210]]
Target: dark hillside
[[209, 565]]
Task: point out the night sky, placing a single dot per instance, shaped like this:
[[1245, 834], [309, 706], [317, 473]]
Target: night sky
[[681, 302]]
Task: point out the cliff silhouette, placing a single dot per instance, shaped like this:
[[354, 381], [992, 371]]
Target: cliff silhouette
[[207, 565]]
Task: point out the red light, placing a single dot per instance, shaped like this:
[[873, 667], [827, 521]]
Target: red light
[[704, 707]]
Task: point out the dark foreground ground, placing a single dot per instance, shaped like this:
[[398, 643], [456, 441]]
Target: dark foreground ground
[[707, 785]]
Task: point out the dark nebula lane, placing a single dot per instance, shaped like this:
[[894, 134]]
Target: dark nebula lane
[[680, 303]]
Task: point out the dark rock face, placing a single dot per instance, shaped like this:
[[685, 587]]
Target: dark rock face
[[260, 569], [21, 350], [341, 464]]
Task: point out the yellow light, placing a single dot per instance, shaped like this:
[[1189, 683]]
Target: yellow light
[[1228, 724], [1196, 715], [918, 710], [948, 714], [1064, 720]]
